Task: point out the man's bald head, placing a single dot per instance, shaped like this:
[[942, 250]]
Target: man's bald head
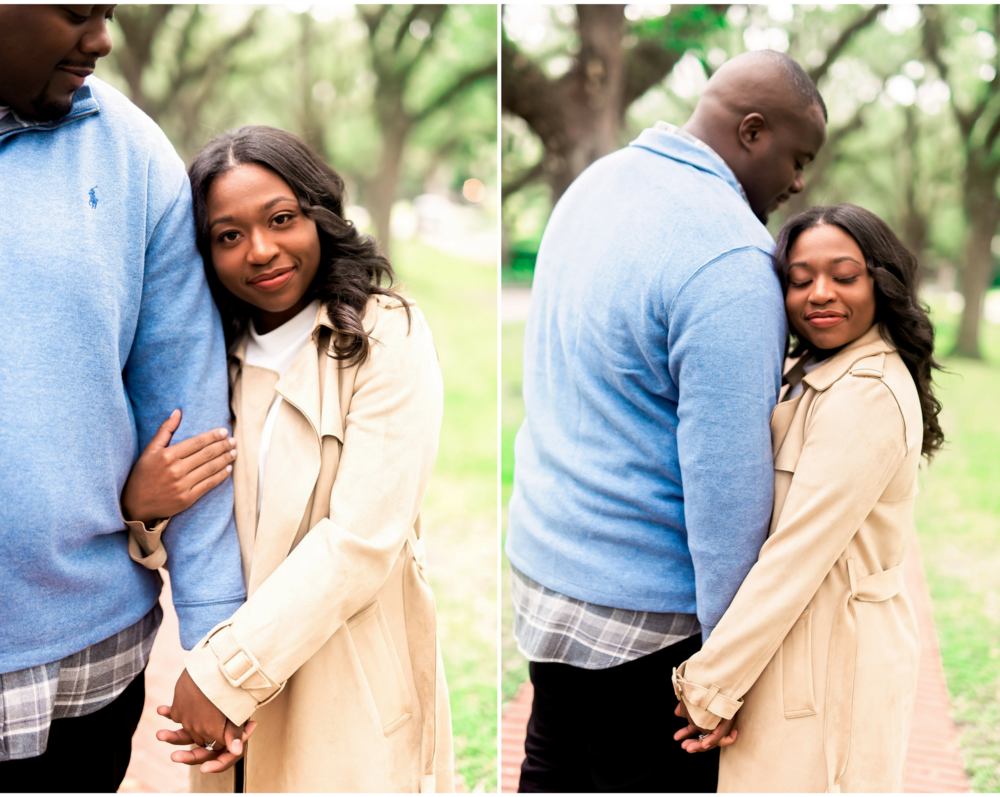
[[764, 115], [763, 78]]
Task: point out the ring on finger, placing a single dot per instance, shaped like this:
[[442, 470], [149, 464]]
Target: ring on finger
[[210, 746]]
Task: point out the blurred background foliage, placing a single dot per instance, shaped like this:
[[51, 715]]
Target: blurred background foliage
[[401, 100], [912, 93]]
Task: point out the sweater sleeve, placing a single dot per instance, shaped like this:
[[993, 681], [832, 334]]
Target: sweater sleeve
[[727, 331], [390, 443], [855, 443], [177, 360]]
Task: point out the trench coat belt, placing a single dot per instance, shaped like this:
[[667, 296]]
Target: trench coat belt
[[843, 659]]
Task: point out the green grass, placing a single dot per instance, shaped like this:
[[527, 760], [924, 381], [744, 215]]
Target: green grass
[[958, 525], [514, 669], [459, 300]]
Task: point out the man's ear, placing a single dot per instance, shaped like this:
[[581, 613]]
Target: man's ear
[[751, 129]]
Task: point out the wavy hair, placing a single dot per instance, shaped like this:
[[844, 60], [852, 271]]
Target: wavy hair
[[351, 269], [899, 314]]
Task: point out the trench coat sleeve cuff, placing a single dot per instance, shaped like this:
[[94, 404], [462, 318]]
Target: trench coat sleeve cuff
[[230, 675], [706, 705], [144, 545]]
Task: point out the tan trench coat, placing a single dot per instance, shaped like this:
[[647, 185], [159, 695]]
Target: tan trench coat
[[335, 652], [819, 650]]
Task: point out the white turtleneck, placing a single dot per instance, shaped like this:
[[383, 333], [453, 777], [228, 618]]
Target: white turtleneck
[[276, 351]]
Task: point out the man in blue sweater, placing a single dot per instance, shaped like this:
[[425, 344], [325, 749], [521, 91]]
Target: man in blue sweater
[[106, 326], [643, 477]]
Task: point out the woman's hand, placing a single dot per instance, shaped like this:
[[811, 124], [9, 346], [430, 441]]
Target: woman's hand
[[168, 479], [723, 735], [218, 760]]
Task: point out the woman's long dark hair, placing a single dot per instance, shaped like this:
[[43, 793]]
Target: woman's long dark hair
[[900, 316], [350, 266]]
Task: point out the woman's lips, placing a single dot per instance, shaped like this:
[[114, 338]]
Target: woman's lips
[[825, 321], [275, 282]]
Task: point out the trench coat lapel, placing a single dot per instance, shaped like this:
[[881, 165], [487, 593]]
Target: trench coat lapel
[[310, 410], [819, 379], [293, 462]]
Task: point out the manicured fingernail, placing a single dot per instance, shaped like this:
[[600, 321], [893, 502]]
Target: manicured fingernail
[[223, 433], [237, 747], [174, 413], [229, 468], [232, 453], [232, 441]]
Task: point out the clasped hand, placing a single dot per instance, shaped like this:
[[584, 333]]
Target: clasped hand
[[723, 735], [202, 723]]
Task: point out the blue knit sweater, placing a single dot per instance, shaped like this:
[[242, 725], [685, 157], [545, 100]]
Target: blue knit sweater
[[106, 325], [652, 358]]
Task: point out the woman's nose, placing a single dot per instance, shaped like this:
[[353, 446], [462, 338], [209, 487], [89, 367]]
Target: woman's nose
[[822, 291], [262, 249]]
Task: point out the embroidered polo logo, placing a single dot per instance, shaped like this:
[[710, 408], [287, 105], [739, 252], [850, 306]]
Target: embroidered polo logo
[[93, 198]]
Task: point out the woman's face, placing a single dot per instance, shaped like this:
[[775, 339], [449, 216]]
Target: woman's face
[[831, 296], [265, 250]]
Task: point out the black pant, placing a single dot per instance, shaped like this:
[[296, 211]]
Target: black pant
[[612, 730], [84, 754]]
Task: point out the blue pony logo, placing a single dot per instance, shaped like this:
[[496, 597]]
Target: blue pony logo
[[93, 197]]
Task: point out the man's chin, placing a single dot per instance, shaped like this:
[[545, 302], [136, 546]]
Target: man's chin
[[47, 108]]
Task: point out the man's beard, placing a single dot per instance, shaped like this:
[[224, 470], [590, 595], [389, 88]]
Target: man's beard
[[45, 108]]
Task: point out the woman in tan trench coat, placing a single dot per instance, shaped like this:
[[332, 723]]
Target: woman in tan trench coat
[[808, 682], [334, 656]]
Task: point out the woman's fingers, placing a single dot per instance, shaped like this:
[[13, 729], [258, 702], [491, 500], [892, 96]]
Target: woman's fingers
[[233, 739], [162, 437], [195, 444], [209, 471], [728, 739], [722, 736], [227, 759]]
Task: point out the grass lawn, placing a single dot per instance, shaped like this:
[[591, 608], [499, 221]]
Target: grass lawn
[[958, 525], [514, 669], [459, 300]]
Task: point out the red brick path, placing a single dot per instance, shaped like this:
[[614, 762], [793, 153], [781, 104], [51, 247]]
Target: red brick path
[[933, 763], [151, 769]]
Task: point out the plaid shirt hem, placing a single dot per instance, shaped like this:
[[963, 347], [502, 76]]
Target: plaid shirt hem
[[551, 627], [80, 684]]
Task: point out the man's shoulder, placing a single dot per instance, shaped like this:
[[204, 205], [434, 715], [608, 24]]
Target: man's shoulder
[[130, 125]]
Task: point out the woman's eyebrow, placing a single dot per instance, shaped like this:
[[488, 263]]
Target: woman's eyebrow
[[846, 257], [276, 200], [220, 220]]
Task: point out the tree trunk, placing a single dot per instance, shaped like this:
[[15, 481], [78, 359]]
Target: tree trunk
[[915, 227], [382, 189], [592, 98], [982, 208]]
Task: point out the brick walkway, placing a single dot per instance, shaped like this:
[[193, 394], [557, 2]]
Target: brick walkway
[[151, 769], [933, 763]]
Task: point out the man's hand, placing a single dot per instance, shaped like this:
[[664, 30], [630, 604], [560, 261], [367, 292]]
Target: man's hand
[[723, 735], [210, 760], [199, 716]]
